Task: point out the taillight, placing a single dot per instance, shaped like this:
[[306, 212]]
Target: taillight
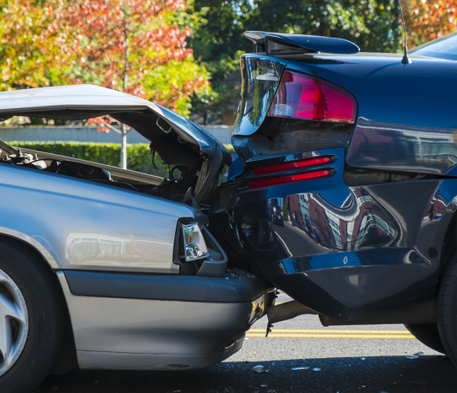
[[291, 165], [275, 181], [307, 97]]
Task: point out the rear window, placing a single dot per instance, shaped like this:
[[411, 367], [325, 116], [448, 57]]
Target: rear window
[[441, 48]]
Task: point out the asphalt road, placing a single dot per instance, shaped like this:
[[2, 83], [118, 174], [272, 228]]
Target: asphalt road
[[334, 359]]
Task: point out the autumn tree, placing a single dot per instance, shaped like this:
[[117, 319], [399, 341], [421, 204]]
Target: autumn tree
[[135, 46], [30, 43], [429, 19]]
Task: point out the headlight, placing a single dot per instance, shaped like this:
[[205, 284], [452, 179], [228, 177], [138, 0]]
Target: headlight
[[194, 244]]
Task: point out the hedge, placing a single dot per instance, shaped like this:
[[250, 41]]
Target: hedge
[[138, 155]]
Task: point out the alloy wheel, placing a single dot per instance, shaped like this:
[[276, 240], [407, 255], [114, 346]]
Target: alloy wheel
[[14, 322]]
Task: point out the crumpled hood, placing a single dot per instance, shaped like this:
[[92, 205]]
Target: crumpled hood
[[77, 102]]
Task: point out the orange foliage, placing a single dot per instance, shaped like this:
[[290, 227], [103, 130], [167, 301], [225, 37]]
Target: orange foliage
[[119, 39], [429, 19], [112, 43], [29, 42]]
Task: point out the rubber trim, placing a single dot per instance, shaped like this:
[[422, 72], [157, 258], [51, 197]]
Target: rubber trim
[[166, 287]]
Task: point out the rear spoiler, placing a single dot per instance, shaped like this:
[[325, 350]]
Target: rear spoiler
[[287, 44]]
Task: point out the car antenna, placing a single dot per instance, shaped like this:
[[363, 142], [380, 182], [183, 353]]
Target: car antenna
[[406, 59]]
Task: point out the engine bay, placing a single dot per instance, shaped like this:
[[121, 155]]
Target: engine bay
[[178, 187]]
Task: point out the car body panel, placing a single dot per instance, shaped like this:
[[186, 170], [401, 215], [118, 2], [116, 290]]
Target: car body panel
[[89, 225], [40, 245], [370, 236], [182, 333], [389, 111], [348, 252], [232, 287]]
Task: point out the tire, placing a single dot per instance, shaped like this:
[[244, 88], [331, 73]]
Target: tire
[[427, 335], [32, 301], [447, 309]]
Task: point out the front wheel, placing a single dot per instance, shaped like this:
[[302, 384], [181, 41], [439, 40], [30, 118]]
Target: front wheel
[[31, 320]]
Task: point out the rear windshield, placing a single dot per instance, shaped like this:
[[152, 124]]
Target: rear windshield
[[442, 48]]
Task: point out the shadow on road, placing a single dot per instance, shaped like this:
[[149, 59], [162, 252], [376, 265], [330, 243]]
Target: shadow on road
[[371, 374]]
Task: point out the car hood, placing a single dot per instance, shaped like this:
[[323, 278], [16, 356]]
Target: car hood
[[77, 102]]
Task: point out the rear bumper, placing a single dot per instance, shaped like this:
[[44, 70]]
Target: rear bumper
[[129, 321], [347, 252]]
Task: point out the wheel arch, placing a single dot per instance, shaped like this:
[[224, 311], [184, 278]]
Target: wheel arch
[[449, 245], [43, 251]]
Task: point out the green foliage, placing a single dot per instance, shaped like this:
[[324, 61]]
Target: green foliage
[[218, 41], [166, 83], [372, 24], [139, 157], [136, 46], [30, 47], [221, 27], [428, 20]]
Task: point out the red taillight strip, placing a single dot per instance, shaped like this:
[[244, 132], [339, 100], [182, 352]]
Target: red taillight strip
[[288, 179], [307, 97], [291, 165]]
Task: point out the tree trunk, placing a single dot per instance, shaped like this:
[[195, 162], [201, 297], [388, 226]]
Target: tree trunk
[[324, 29]]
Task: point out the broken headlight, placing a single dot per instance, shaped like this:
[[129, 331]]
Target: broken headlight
[[194, 244]]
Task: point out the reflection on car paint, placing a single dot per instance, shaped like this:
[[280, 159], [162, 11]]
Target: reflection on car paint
[[401, 147], [359, 223], [337, 243], [104, 249], [257, 91], [435, 208]]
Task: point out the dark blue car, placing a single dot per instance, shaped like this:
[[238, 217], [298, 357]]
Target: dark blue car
[[359, 152]]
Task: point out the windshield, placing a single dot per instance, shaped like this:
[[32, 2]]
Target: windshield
[[442, 48]]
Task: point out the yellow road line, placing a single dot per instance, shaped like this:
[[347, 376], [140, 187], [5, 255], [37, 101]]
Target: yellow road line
[[304, 335], [333, 331]]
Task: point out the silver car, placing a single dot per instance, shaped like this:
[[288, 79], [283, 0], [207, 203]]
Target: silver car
[[113, 269]]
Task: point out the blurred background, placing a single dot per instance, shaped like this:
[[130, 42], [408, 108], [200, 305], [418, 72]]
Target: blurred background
[[182, 54]]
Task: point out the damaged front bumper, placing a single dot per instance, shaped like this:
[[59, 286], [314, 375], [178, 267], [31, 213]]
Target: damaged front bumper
[[158, 322]]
